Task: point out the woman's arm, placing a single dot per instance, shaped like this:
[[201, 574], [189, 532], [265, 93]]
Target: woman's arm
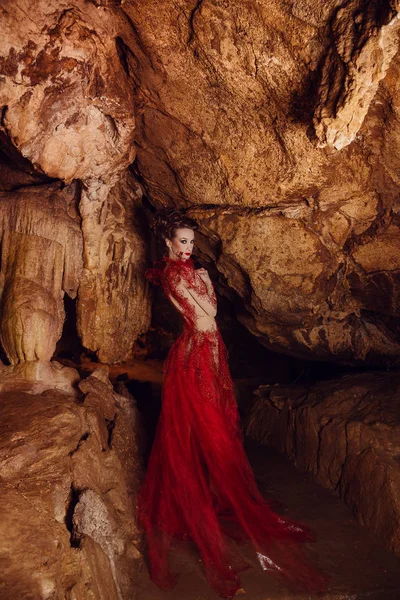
[[190, 290], [196, 297], [210, 288]]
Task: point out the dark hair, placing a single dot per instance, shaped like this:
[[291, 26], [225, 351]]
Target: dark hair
[[167, 220]]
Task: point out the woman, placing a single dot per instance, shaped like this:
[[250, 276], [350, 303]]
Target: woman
[[199, 485]]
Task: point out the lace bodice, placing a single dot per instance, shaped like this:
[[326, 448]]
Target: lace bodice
[[193, 296]]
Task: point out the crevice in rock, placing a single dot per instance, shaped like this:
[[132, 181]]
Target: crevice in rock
[[73, 500], [69, 348], [303, 101], [83, 438], [110, 423], [244, 211], [192, 18], [337, 488], [3, 115], [16, 171], [122, 50]]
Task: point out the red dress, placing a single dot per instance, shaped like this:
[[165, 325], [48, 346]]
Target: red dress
[[199, 485]]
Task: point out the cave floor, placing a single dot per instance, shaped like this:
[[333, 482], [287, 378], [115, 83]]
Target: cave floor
[[359, 567]]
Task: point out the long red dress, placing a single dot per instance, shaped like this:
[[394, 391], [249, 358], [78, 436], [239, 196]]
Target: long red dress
[[199, 485]]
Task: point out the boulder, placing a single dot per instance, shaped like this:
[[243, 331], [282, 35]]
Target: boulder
[[346, 432], [70, 469]]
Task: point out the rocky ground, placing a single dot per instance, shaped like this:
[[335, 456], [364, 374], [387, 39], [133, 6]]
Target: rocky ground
[[70, 471], [70, 480]]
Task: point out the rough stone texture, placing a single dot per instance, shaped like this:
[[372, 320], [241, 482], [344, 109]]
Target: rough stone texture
[[67, 526], [15, 170], [275, 122], [41, 259], [347, 434], [68, 110], [35, 377], [113, 304], [68, 104], [229, 93], [365, 39]]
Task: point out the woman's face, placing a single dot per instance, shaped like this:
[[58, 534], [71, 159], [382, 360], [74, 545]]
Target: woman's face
[[181, 246]]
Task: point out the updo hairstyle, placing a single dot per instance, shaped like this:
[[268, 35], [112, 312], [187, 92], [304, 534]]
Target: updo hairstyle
[[167, 220]]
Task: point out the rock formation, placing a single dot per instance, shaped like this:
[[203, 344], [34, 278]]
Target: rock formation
[[365, 38], [68, 110], [113, 303], [41, 259], [346, 433], [70, 470], [275, 123], [247, 111], [67, 103]]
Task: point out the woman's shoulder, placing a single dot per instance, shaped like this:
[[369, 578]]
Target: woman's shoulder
[[172, 272]]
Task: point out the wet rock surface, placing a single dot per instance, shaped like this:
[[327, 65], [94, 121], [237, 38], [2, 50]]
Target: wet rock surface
[[346, 433], [70, 470]]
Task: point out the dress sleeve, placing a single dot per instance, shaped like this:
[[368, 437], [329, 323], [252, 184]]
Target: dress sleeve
[[192, 292], [195, 297]]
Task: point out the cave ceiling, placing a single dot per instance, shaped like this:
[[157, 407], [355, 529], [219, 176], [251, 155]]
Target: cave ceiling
[[275, 123]]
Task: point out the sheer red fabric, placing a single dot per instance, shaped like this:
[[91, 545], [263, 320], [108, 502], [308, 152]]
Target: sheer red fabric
[[199, 485]]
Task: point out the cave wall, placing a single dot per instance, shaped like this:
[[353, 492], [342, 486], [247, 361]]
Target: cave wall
[[41, 260], [113, 305], [346, 433], [276, 124], [68, 114]]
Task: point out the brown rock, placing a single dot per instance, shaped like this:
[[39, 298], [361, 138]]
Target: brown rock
[[36, 557], [44, 249], [276, 123], [64, 477], [68, 105], [228, 95], [15, 170], [346, 433], [113, 304], [365, 40], [69, 109], [36, 377], [41, 259]]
